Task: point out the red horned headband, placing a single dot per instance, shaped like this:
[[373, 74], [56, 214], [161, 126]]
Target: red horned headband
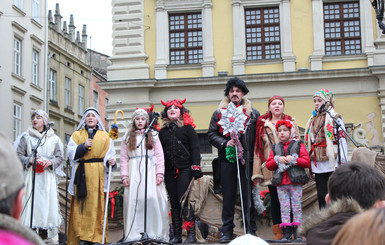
[[176, 102], [148, 110]]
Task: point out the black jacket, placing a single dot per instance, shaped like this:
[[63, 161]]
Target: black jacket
[[180, 146], [218, 140]]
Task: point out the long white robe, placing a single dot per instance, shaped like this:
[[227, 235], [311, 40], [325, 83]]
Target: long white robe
[[46, 210], [134, 195]]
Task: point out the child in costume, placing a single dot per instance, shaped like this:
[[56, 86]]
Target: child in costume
[[132, 170], [289, 159], [321, 139]]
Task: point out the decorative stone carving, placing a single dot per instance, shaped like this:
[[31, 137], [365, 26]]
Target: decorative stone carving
[[375, 140], [359, 135]]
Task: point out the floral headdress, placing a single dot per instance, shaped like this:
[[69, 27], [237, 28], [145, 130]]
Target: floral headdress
[[326, 95], [287, 123]]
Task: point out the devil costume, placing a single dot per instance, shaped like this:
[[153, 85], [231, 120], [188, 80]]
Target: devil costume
[[182, 163]]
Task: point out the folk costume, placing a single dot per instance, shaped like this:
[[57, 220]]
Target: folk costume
[[320, 139], [182, 163], [46, 210], [266, 136], [132, 167], [228, 169], [289, 179], [88, 181]]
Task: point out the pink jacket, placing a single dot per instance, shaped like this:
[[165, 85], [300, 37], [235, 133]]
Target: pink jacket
[[125, 159]]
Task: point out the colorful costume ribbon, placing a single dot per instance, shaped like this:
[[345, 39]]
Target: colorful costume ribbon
[[112, 196]]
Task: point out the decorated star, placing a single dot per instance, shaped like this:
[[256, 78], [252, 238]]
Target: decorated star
[[232, 119]]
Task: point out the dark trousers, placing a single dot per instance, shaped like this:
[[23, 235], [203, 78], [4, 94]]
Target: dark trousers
[[176, 187], [321, 182], [275, 207], [229, 181]]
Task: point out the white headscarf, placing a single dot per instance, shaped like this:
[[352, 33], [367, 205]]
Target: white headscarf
[[95, 112]]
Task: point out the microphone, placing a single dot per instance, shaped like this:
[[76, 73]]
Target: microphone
[[90, 131], [51, 124], [156, 114], [322, 108]]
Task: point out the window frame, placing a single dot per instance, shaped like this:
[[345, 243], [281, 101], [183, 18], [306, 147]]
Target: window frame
[[17, 119], [18, 3], [17, 55], [67, 92], [36, 10], [186, 31], [95, 98], [81, 93], [262, 27], [341, 20], [53, 85], [35, 67]]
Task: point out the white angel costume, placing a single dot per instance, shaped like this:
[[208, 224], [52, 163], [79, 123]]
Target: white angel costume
[[46, 210], [132, 164]]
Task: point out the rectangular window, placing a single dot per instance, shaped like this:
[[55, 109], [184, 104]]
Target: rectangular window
[[17, 56], [186, 38], [95, 99], [81, 99], [35, 10], [204, 144], [342, 28], [18, 3], [16, 120], [35, 67], [67, 92], [52, 85], [262, 34]]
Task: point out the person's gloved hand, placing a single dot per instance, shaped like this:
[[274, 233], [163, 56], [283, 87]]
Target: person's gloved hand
[[196, 171]]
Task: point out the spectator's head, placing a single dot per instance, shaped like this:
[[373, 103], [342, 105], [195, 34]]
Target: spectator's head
[[11, 180], [235, 90], [248, 240], [365, 228], [357, 181]]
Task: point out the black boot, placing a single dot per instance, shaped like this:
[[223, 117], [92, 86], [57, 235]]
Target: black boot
[[297, 238], [191, 234], [226, 237], [177, 226], [189, 216], [286, 230]]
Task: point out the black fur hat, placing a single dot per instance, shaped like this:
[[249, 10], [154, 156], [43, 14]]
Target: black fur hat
[[237, 83]]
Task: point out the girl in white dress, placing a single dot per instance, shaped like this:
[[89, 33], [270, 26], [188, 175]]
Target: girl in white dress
[[46, 212], [132, 170]]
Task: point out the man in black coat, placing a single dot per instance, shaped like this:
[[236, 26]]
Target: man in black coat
[[235, 91]]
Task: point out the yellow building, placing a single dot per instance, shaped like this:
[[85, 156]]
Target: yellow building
[[166, 49]]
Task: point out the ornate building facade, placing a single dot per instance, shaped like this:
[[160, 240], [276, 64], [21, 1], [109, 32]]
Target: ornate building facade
[[168, 49]]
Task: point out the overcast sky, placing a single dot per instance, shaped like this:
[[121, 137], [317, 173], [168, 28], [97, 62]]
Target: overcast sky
[[96, 14]]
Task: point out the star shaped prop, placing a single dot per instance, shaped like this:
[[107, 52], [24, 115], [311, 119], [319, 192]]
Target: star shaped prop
[[232, 119]]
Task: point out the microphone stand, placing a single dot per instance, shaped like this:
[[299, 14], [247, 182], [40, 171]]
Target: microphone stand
[[34, 154], [338, 127], [145, 239]]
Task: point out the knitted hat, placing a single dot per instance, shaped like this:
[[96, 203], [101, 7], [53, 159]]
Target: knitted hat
[[140, 112], [275, 97], [11, 174], [43, 114]]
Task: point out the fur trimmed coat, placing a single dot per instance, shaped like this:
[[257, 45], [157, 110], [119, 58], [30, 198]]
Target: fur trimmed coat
[[321, 227]]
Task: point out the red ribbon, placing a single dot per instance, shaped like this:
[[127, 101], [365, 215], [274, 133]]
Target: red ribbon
[[112, 196]]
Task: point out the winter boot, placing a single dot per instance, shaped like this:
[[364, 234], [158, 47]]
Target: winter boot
[[191, 234], [296, 237], [286, 233], [189, 217], [277, 231], [177, 226]]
